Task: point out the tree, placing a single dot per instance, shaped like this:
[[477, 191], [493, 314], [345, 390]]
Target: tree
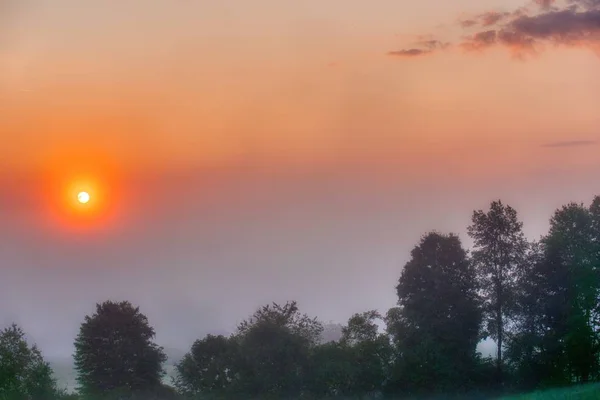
[[361, 327], [500, 247], [287, 315], [370, 350], [23, 372], [208, 368], [525, 345], [332, 370], [436, 328], [274, 351], [114, 352], [572, 260]]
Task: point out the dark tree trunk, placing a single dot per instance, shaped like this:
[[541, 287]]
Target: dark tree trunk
[[500, 327], [500, 338]]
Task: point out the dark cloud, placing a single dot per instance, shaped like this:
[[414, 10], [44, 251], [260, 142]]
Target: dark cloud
[[560, 26], [524, 31], [480, 40], [571, 143], [517, 42]]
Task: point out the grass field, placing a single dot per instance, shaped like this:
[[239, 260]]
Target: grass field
[[583, 392]]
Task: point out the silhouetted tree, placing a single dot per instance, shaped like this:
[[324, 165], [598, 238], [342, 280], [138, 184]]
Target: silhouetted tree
[[274, 351], [287, 315], [436, 330], [499, 249], [525, 344], [573, 259], [115, 352], [24, 374], [208, 369], [332, 370], [370, 350], [361, 327]]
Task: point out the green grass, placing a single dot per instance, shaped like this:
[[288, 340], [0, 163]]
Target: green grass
[[581, 392]]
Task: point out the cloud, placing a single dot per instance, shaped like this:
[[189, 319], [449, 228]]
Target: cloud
[[480, 40], [492, 18], [560, 26], [467, 23], [486, 19], [423, 47], [545, 4], [586, 4], [571, 143], [409, 52], [575, 23]]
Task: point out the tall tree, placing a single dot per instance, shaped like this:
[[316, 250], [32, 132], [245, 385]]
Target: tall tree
[[525, 344], [436, 328], [499, 249], [23, 372], [572, 257], [115, 352]]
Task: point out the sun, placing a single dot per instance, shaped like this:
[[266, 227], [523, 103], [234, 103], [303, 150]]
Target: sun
[[83, 197]]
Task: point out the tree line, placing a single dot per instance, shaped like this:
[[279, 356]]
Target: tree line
[[538, 300]]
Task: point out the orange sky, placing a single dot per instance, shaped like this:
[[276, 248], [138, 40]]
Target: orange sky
[[168, 85]]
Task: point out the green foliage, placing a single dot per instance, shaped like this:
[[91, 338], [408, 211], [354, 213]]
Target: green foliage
[[287, 316], [115, 354], [208, 367], [332, 370], [437, 325], [23, 372], [274, 348], [572, 277], [500, 247], [370, 352], [269, 356]]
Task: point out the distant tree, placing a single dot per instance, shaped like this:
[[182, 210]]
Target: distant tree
[[361, 327], [115, 352], [287, 315], [208, 369], [436, 329], [332, 332], [371, 352], [274, 351], [24, 374], [499, 250]]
